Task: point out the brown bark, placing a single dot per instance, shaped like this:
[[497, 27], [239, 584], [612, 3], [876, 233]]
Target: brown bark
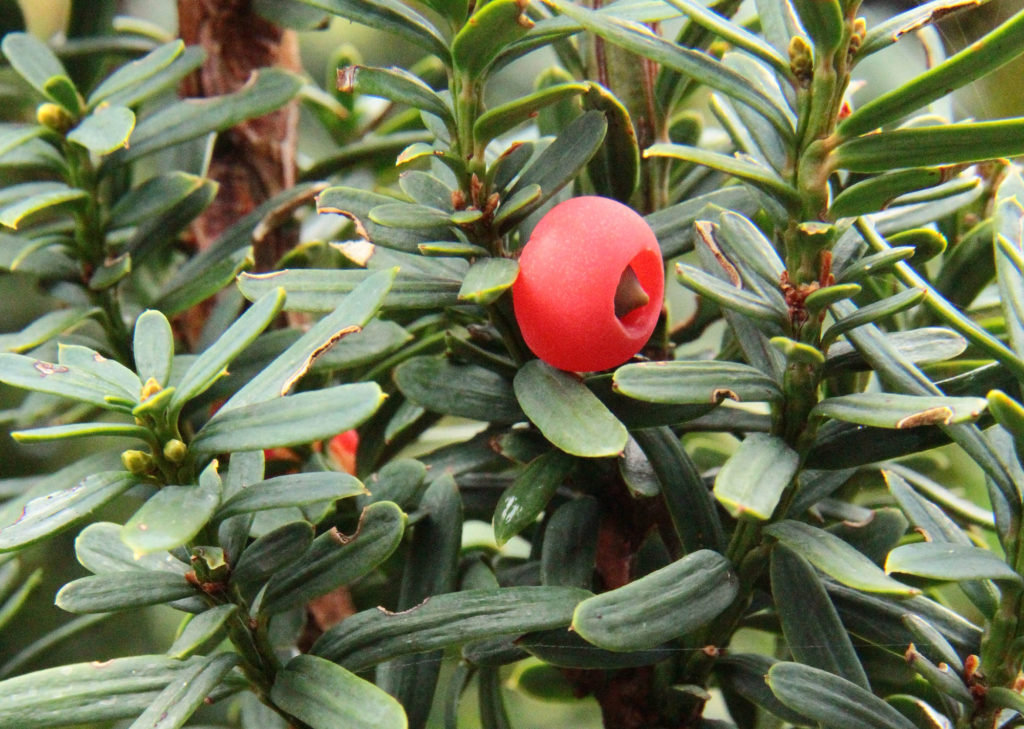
[[627, 697], [323, 613], [256, 159]]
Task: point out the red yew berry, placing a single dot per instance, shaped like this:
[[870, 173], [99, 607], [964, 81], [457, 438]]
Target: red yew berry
[[281, 460], [342, 448], [590, 286]]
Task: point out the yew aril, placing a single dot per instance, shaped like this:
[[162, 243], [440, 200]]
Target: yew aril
[[342, 448], [591, 285]]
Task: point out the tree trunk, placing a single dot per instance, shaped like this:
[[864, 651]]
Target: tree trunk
[[256, 159]]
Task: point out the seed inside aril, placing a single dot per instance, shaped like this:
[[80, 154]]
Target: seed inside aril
[[629, 294]]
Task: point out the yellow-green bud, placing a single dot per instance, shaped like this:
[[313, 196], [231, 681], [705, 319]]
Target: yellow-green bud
[[150, 388], [860, 32], [138, 462], [175, 450], [718, 48], [860, 29], [55, 117], [801, 59]]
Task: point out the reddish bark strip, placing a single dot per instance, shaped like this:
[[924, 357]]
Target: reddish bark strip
[[256, 159]]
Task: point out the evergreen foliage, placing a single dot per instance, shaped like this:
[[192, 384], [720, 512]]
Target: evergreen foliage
[[752, 510]]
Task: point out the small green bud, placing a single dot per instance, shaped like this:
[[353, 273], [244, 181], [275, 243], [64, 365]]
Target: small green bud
[[138, 462], [718, 48], [175, 450], [801, 59], [860, 32], [799, 49], [55, 117]]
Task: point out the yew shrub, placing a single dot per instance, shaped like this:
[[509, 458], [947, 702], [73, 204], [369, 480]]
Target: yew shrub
[[298, 406]]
